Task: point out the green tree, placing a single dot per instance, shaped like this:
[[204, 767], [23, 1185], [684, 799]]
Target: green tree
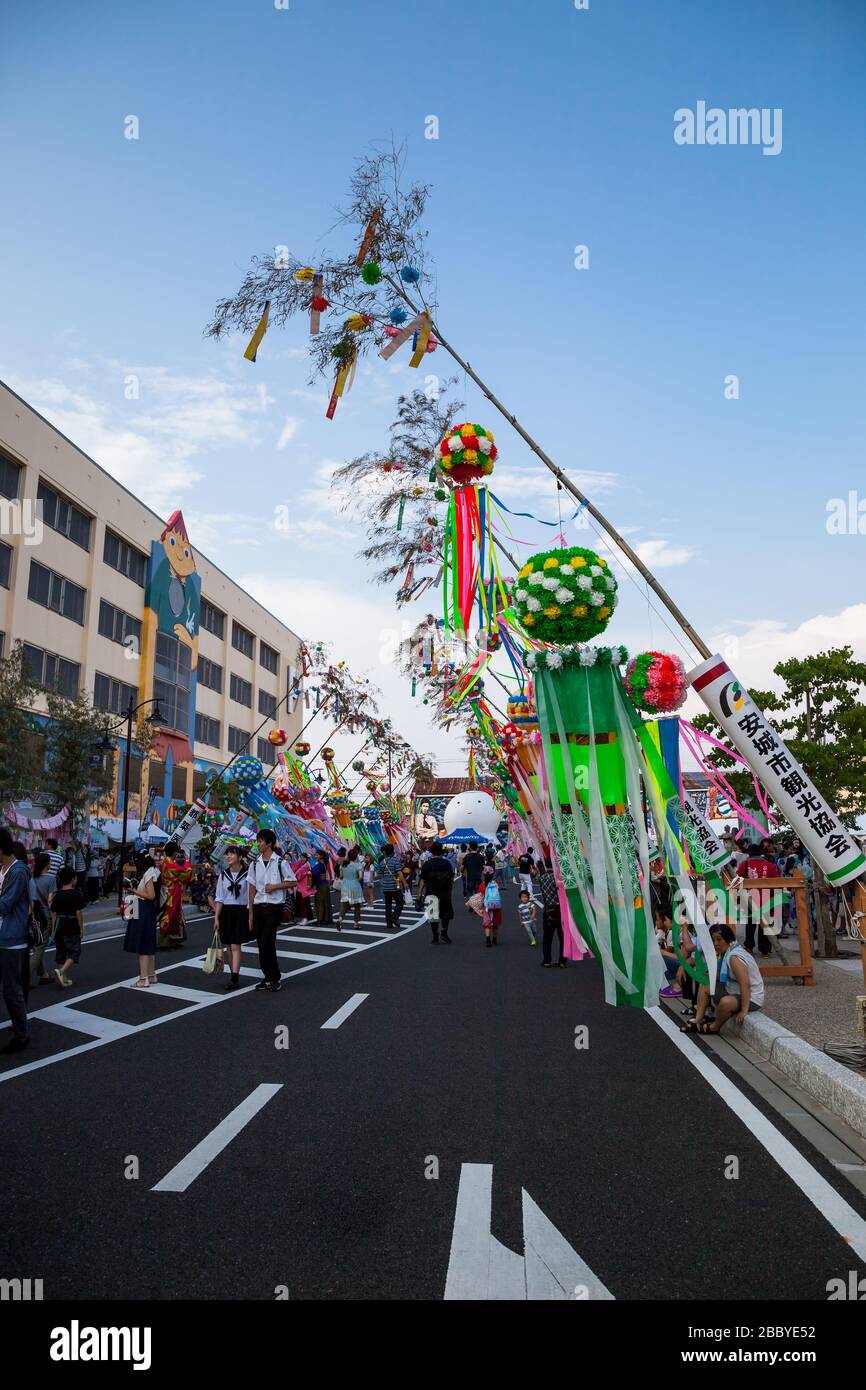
[[78, 771], [820, 713], [20, 771]]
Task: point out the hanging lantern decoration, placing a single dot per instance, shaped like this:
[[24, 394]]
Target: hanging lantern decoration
[[656, 682], [565, 596], [278, 737], [301, 749], [328, 755], [522, 712], [466, 455], [358, 765], [247, 771]]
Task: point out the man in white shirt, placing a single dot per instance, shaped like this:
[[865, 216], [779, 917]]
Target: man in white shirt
[[268, 878], [740, 988]]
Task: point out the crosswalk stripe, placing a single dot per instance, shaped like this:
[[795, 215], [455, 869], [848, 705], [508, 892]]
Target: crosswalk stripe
[[81, 1022], [319, 940], [193, 996], [343, 1013]]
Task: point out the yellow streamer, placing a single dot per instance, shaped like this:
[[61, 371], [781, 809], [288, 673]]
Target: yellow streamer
[[423, 340], [255, 341]]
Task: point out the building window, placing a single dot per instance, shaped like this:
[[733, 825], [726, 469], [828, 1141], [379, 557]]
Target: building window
[[5, 564], [53, 591], [64, 516], [242, 640], [207, 730], [269, 658], [212, 619], [172, 677], [113, 695], [53, 672], [125, 558], [238, 739], [267, 752], [10, 474], [210, 675], [199, 782], [178, 783], [241, 691], [267, 703], [117, 625]]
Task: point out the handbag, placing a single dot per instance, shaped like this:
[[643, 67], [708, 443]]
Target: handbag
[[213, 961]]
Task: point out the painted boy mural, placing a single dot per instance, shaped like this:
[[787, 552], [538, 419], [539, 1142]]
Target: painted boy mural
[[175, 588]]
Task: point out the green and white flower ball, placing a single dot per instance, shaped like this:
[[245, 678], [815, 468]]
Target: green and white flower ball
[[565, 596]]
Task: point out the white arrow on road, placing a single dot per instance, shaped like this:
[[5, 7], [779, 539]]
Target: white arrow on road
[[482, 1268]]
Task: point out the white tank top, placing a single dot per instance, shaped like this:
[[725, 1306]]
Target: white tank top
[[756, 979]]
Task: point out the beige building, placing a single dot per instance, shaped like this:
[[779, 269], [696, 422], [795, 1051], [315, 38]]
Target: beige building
[[78, 553]]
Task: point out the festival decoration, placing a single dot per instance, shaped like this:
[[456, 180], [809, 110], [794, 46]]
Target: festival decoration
[[278, 737], [358, 765], [656, 682], [254, 343], [246, 771], [302, 748], [410, 275], [356, 323], [397, 315], [522, 712], [565, 596], [305, 274], [371, 273], [466, 453], [328, 755], [811, 818]]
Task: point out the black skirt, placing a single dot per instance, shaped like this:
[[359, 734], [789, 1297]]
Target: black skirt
[[234, 925]]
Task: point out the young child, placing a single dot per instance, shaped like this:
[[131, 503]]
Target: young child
[[66, 907], [492, 908], [526, 909]]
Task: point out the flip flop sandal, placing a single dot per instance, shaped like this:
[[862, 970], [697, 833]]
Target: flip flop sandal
[[690, 1027], [143, 983]]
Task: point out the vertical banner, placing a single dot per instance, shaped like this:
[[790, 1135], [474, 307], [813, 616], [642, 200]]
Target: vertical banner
[[820, 829]]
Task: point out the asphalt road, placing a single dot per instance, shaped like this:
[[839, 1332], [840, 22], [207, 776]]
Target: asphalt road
[[458, 1068]]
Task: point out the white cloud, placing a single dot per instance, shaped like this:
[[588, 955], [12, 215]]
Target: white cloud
[[754, 648], [152, 444], [365, 630], [289, 430], [535, 484], [661, 555]]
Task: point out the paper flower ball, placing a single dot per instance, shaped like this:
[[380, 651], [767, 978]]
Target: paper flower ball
[[319, 303], [328, 755], [565, 596], [522, 712], [305, 273], [410, 274], [467, 452], [356, 323], [371, 273], [398, 315], [247, 771], [302, 749], [278, 737], [358, 765], [656, 682]]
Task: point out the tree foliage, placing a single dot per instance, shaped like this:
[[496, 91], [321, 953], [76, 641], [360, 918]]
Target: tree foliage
[[78, 771], [20, 770]]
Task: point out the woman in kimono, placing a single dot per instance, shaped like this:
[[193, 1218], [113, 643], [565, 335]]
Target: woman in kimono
[[175, 878]]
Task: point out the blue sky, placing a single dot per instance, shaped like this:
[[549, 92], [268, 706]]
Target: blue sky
[[555, 129]]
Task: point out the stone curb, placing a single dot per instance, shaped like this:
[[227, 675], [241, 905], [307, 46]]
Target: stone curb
[[836, 1087]]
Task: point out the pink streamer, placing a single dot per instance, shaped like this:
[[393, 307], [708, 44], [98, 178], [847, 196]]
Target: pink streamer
[[691, 739]]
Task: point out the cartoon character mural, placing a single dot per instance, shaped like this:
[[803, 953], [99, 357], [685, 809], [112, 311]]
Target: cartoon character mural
[[172, 606]]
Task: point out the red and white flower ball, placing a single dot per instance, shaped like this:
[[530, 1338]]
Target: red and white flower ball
[[656, 682], [278, 737], [466, 453]]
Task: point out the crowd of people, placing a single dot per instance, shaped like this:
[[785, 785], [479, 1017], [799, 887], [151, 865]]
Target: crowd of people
[[44, 894], [43, 897]]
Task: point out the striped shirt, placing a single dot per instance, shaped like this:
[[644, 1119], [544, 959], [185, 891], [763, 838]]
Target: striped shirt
[[58, 860], [390, 870]]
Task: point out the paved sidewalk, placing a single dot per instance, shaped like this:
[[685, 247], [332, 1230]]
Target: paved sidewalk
[[824, 1012]]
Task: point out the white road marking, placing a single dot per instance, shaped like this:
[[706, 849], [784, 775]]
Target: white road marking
[[192, 996], [107, 1029], [207, 997], [189, 1168], [842, 1217], [481, 1268], [348, 1008], [294, 955], [324, 941]]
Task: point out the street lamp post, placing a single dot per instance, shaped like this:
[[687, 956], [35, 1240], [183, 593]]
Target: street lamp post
[[133, 709]]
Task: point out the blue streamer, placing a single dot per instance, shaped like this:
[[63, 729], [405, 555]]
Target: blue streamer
[[532, 516]]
